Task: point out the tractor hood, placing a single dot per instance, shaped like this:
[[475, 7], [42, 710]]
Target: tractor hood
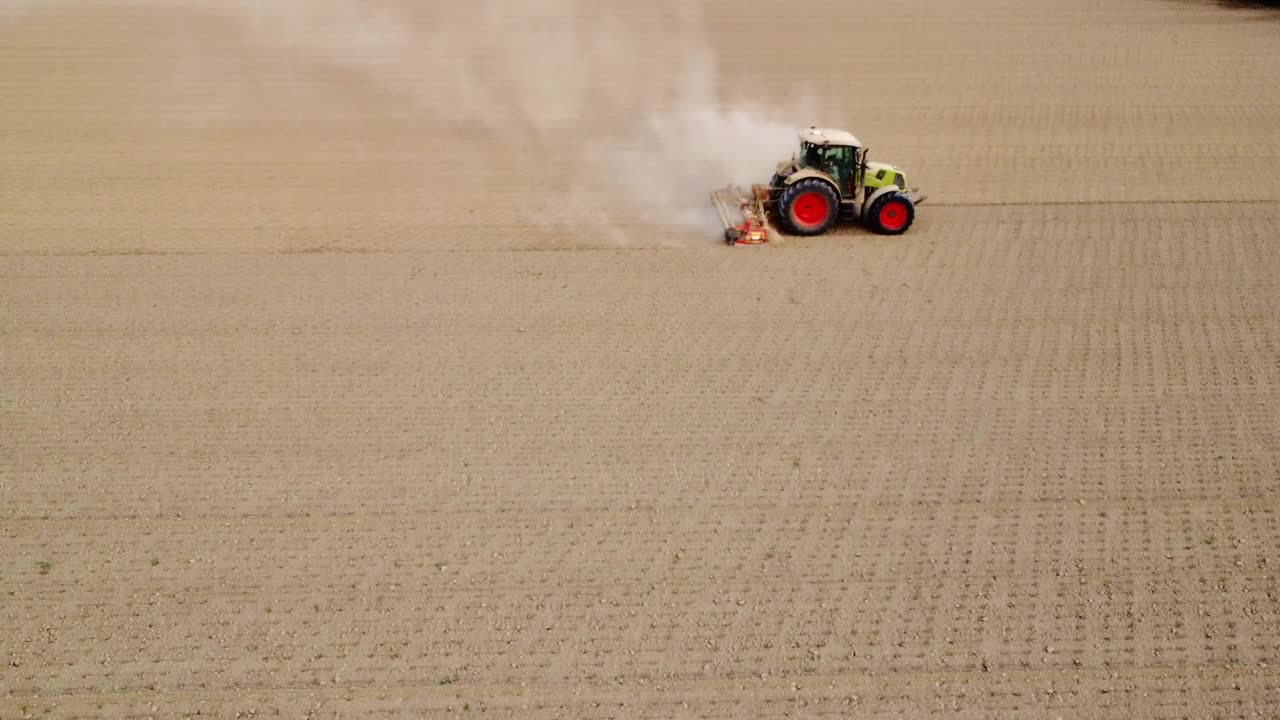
[[883, 175]]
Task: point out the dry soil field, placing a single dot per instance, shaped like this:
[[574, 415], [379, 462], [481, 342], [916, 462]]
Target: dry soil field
[[302, 414]]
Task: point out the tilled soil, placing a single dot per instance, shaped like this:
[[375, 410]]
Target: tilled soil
[[299, 418]]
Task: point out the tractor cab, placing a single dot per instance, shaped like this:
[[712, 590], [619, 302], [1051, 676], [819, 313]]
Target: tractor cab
[[834, 153], [841, 162]]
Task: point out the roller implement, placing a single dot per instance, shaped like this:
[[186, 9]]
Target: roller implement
[[829, 179]]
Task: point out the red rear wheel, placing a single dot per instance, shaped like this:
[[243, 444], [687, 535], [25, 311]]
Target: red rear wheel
[[811, 208]]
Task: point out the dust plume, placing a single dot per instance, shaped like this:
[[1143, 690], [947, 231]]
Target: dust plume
[[629, 94], [633, 98]]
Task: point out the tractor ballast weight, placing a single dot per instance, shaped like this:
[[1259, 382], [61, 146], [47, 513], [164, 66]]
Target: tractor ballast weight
[[831, 179]]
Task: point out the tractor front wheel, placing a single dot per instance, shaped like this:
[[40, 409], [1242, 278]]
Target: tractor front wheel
[[809, 206], [891, 214]]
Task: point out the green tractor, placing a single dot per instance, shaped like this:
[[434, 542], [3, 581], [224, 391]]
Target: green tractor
[[831, 179]]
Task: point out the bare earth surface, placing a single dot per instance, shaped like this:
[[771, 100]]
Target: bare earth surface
[[296, 419]]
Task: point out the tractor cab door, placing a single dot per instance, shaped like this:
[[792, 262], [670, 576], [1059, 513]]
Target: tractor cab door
[[840, 163]]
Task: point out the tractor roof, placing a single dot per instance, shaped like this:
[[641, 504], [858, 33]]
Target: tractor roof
[[826, 136]]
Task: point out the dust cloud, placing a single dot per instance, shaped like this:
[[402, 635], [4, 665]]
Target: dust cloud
[[633, 100]]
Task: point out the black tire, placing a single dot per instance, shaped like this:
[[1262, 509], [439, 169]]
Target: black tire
[[891, 214], [802, 204], [732, 236]]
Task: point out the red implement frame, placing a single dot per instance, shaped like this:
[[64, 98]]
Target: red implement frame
[[743, 215]]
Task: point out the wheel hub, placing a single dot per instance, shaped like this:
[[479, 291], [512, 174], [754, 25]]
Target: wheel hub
[[893, 216], [811, 208]]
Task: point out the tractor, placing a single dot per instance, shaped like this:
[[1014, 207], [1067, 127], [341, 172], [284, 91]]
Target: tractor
[[829, 179]]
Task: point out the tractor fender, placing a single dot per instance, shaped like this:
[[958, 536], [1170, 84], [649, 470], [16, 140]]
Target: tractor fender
[[806, 173], [876, 195]]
